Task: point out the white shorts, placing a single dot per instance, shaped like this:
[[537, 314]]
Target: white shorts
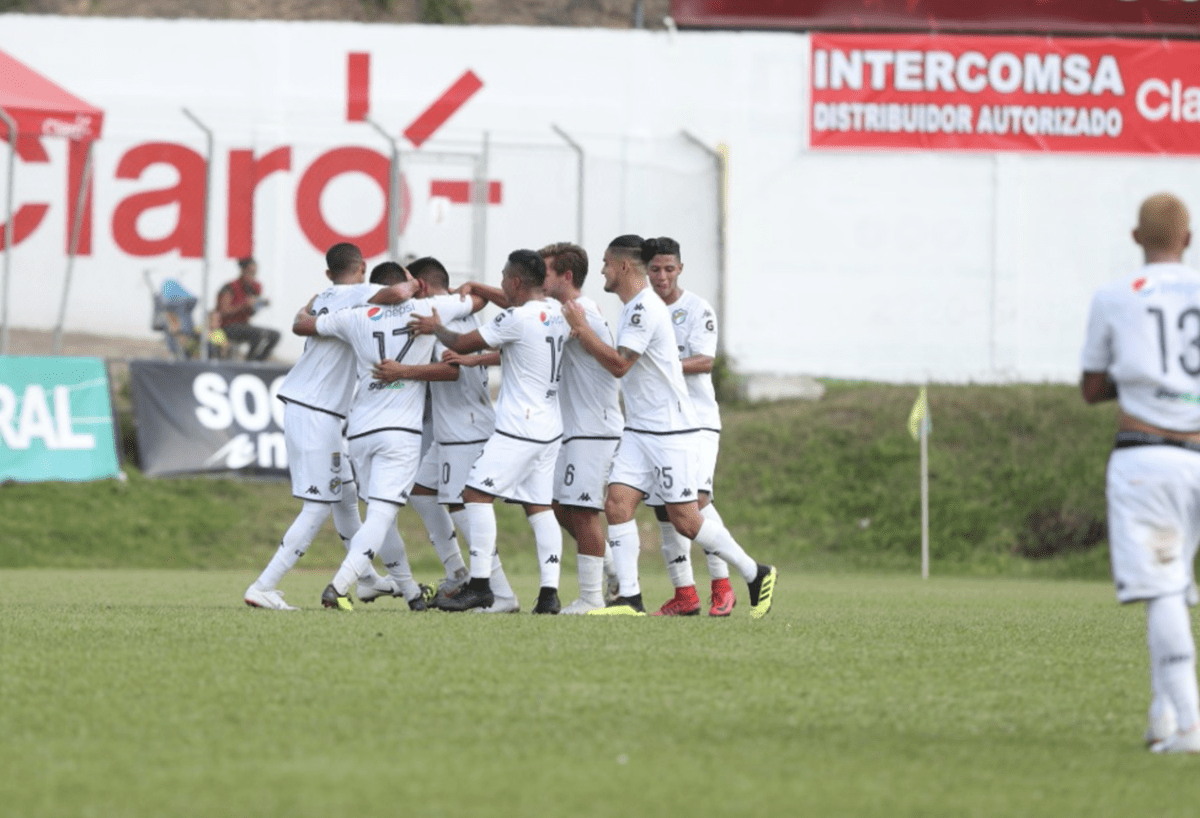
[[521, 471], [445, 467], [662, 467], [386, 465], [316, 453], [581, 472], [710, 444], [1153, 497]]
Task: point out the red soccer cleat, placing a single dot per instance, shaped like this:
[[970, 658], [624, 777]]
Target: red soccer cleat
[[723, 598], [684, 603]]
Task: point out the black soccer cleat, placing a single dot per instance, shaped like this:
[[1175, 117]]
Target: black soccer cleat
[[330, 598], [547, 601], [475, 594]]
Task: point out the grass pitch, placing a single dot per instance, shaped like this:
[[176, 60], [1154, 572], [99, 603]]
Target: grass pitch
[[158, 693]]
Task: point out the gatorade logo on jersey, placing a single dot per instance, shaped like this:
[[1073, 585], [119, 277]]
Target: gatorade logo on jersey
[[375, 313], [679, 316], [1143, 286]]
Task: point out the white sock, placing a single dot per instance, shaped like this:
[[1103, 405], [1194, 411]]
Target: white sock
[[345, 513], [1173, 653], [547, 538], [365, 545], [625, 544], [716, 538], [295, 542], [717, 567], [482, 523], [441, 531], [499, 582], [610, 567], [591, 579], [676, 551], [463, 525], [395, 559]]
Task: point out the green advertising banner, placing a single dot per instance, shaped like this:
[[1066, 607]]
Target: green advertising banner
[[56, 420]]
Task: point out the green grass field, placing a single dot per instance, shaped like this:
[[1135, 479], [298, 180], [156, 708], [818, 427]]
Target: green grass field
[[156, 693]]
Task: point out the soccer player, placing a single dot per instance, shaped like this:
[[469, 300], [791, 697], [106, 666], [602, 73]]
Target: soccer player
[[383, 429], [517, 462], [657, 457], [463, 420], [592, 422], [1143, 350], [316, 397], [695, 324]]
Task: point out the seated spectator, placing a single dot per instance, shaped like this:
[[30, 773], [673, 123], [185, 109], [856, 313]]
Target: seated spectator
[[236, 302]]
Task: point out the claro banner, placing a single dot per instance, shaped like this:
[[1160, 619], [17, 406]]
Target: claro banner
[[214, 417], [1005, 93]]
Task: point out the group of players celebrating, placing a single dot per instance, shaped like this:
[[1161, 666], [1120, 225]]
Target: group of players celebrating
[[584, 425]]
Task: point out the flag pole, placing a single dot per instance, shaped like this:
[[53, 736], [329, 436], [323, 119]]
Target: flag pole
[[924, 500]]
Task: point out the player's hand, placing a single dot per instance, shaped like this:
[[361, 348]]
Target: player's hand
[[576, 318], [387, 370], [425, 324], [456, 359]]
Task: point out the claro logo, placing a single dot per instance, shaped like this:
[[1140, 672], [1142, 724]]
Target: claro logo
[[248, 403]]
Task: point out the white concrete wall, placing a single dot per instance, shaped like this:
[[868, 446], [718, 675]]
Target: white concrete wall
[[892, 266]]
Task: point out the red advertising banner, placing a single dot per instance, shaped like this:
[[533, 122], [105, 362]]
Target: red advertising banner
[[1005, 93], [1173, 18]]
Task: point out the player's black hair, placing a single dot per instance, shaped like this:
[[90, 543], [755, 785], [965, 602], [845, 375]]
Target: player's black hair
[[634, 247], [245, 262], [387, 273], [567, 258], [664, 246], [431, 271], [529, 267], [341, 257]]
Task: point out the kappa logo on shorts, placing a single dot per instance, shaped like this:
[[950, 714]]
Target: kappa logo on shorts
[[489, 482], [587, 498], [687, 492], [313, 490]]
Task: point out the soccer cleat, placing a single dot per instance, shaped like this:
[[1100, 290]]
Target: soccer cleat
[[377, 587], [475, 594], [1179, 744], [762, 589], [449, 587], [423, 600], [547, 601], [622, 606], [684, 603], [502, 604], [581, 606], [330, 598], [723, 598], [271, 600]]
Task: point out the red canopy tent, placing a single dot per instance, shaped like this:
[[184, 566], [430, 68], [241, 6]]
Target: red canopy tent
[[31, 107]]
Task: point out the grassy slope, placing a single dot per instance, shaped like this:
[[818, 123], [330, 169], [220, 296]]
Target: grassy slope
[[161, 694], [829, 484]]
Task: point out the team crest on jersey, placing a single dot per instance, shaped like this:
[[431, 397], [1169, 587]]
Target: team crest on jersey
[[679, 316], [335, 485], [1143, 286], [375, 313]]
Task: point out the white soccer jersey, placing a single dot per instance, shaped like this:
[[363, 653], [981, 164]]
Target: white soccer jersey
[[590, 398], [656, 398], [695, 324], [530, 338], [323, 378], [462, 409], [380, 332], [1144, 330]]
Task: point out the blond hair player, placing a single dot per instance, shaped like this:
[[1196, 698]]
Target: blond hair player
[[1143, 350]]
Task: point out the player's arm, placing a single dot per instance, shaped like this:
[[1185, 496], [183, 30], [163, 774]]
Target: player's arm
[[459, 342], [1097, 387], [390, 371], [697, 364], [491, 358], [305, 323], [482, 294], [616, 361], [396, 293]]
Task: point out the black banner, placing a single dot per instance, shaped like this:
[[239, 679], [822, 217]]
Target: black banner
[[195, 417]]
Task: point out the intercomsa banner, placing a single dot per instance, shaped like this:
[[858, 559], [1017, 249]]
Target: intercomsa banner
[[1005, 93], [56, 420], [208, 417]]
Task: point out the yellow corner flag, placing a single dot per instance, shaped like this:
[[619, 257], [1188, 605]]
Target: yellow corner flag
[[919, 417]]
